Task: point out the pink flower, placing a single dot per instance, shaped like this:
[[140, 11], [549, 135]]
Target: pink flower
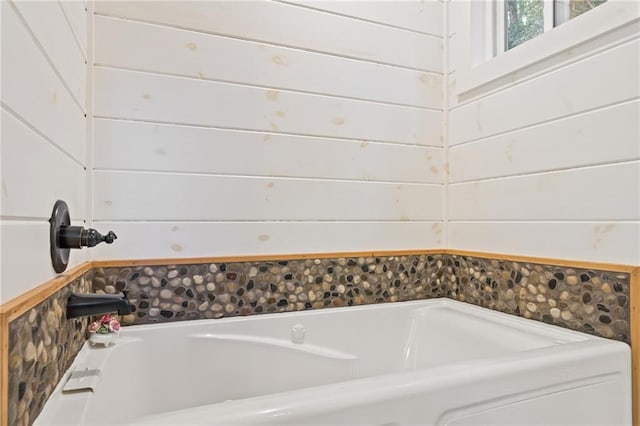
[[114, 325], [94, 326], [106, 319]]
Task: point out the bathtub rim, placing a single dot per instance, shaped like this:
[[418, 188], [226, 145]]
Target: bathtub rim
[[501, 318]]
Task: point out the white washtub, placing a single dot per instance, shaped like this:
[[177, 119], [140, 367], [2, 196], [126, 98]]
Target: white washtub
[[425, 362]]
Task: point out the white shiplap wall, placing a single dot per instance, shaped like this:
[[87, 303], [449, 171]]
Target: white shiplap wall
[[43, 139], [267, 127], [279, 127], [548, 165]]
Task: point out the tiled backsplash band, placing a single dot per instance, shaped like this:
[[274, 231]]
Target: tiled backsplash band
[[215, 290], [43, 343], [592, 301]]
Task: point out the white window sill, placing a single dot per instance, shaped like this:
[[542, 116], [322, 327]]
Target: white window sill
[[608, 23]]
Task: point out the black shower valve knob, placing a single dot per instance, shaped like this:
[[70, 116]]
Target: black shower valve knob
[[110, 237], [78, 237]]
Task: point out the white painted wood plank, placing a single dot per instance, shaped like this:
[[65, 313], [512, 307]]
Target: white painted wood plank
[[176, 240], [451, 93], [76, 13], [416, 15], [569, 90], [34, 91], [168, 196], [157, 147], [457, 52], [141, 96], [458, 15], [25, 258], [35, 174], [140, 46], [610, 192], [49, 25], [615, 242], [603, 136], [291, 26]]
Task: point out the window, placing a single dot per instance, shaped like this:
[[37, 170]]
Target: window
[[484, 64], [520, 20]]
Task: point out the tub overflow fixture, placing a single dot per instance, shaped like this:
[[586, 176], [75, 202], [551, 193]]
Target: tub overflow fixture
[[63, 236], [298, 333]]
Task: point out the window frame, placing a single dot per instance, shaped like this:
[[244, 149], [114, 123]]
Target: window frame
[[550, 48], [500, 21]]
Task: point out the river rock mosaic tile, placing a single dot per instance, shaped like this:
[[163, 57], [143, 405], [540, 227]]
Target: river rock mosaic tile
[[216, 290], [591, 301], [42, 345]]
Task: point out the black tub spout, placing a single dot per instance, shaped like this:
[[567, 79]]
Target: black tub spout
[[80, 305]]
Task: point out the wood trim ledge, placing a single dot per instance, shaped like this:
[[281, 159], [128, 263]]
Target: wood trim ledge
[[276, 257], [21, 304]]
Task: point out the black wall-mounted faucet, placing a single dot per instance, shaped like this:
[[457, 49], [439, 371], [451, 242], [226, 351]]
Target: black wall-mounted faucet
[[81, 305], [63, 236]]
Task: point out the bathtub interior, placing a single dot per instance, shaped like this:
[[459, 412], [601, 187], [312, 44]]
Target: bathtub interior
[[160, 368]]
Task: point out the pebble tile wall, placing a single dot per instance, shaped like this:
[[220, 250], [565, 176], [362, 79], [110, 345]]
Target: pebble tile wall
[[591, 301], [595, 302], [215, 290], [43, 343]]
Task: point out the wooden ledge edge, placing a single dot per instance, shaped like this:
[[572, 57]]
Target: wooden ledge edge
[[259, 258], [614, 267], [22, 303]]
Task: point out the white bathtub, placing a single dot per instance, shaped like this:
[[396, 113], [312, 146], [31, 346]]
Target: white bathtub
[[425, 362]]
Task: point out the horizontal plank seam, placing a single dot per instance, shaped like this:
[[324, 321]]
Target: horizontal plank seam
[[269, 177], [259, 86], [31, 219], [47, 58], [266, 43], [265, 132], [272, 133], [551, 120], [359, 18], [73, 31], [269, 221], [31, 127], [551, 220], [549, 171], [301, 138]]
